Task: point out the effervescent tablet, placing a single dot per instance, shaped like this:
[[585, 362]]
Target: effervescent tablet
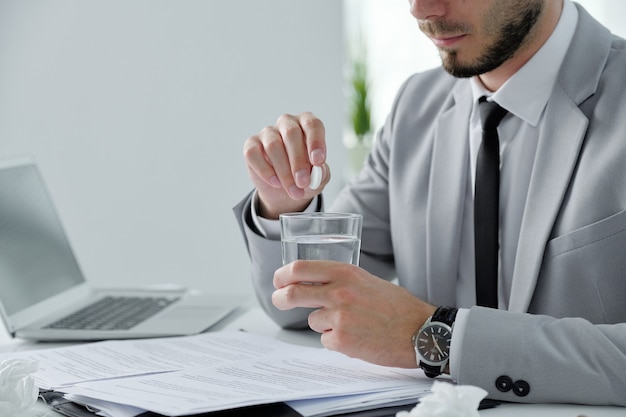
[[316, 177]]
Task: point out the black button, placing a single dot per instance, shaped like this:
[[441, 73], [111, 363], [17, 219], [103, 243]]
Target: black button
[[504, 383], [521, 388]]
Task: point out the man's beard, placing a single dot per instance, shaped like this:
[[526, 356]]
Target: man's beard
[[508, 41]]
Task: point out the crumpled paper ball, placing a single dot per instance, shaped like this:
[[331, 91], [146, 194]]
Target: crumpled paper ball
[[18, 392], [448, 400]]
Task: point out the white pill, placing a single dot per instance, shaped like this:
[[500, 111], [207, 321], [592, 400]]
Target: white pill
[[316, 177]]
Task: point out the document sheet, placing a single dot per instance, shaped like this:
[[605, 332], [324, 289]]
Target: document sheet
[[221, 370], [123, 358]]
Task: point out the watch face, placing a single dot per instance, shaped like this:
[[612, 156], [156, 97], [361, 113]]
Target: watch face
[[433, 343]]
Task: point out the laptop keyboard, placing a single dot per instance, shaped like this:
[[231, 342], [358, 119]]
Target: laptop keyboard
[[113, 313]]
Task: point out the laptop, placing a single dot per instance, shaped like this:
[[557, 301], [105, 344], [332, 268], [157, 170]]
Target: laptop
[[44, 295]]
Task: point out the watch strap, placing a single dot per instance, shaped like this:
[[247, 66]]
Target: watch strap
[[429, 370], [445, 315]]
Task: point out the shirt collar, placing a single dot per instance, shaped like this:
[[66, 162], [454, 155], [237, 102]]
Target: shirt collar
[[526, 93]]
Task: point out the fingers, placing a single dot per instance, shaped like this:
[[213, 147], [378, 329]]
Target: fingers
[[315, 136], [315, 272], [298, 295], [257, 162], [281, 156], [313, 284], [300, 284], [283, 149], [294, 160]]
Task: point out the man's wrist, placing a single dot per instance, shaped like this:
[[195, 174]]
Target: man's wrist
[[272, 213], [269, 228]]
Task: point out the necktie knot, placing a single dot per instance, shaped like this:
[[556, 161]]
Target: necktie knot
[[490, 113]]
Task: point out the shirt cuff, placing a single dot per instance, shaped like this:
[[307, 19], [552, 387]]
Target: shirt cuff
[[268, 228], [460, 322]]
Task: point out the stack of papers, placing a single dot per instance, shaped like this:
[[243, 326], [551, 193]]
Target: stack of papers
[[218, 371]]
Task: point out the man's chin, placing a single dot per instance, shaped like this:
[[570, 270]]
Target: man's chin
[[451, 64]]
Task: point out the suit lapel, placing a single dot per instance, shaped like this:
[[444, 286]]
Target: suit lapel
[[446, 196], [555, 160], [558, 149]]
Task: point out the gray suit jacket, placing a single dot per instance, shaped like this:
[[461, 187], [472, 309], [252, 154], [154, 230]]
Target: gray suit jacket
[[565, 331]]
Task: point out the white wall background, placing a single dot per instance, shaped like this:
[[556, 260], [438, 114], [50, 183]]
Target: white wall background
[[137, 110]]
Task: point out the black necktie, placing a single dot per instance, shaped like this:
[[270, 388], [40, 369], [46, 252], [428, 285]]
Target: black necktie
[[486, 205]]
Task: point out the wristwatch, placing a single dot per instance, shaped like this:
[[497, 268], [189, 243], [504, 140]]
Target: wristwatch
[[432, 341]]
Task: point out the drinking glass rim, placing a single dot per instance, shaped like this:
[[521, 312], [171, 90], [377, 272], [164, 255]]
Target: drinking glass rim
[[321, 214]]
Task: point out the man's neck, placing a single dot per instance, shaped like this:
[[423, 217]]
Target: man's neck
[[493, 80]]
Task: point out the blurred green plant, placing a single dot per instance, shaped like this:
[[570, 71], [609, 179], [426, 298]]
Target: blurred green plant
[[360, 109]]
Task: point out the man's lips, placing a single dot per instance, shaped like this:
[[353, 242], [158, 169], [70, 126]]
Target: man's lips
[[446, 41]]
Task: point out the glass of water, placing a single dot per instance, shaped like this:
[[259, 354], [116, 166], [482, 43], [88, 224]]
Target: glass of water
[[321, 236]]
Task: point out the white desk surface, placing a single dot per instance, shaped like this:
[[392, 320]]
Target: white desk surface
[[255, 320]]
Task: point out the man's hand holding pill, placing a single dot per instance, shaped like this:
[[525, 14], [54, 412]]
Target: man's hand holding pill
[[287, 163]]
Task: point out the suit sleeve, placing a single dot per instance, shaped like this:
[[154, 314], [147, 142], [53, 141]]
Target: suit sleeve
[[509, 354]]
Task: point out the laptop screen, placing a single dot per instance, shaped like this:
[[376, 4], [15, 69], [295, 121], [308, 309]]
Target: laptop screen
[[36, 261]]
